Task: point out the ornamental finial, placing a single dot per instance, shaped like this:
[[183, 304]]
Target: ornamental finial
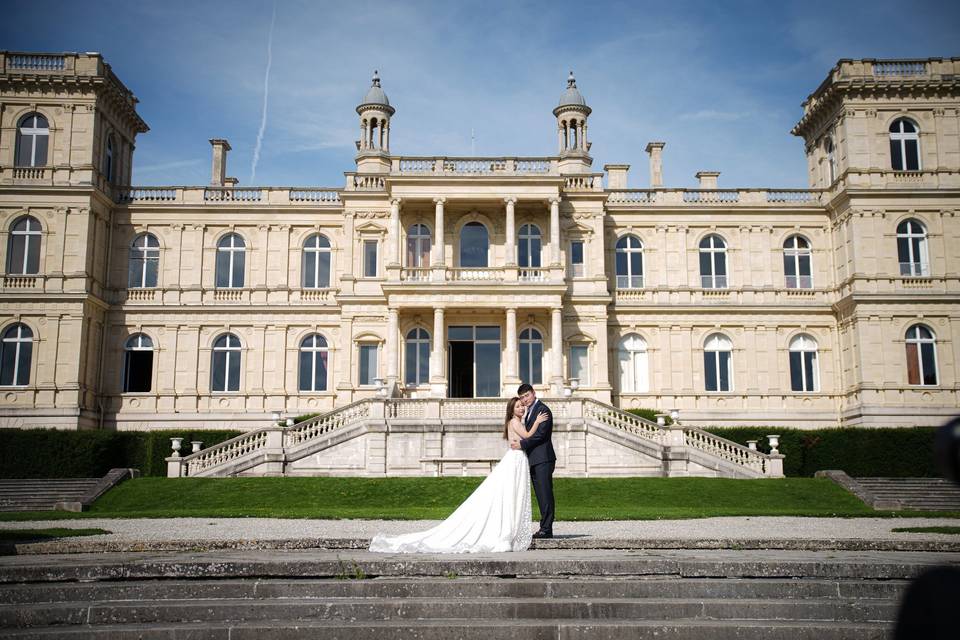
[[571, 81], [376, 78]]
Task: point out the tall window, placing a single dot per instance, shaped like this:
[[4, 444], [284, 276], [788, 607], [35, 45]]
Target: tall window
[[144, 262], [831, 160], [225, 373], [796, 263], [576, 259], [369, 258], [804, 375], [717, 369], [904, 145], [367, 365], [921, 355], [418, 246], [16, 351], [912, 248], [231, 252], [418, 357], [108, 160], [33, 134], [23, 247], [531, 356], [316, 262], [474, 245], [528, 248], [138, 364], [580, 363], [713, 263], [632, 354], [314, 363], [629, 263]]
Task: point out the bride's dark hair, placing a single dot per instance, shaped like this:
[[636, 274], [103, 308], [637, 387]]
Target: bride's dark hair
[[511, 404]]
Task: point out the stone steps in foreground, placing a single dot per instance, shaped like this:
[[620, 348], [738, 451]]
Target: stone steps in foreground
[[920, 494], [42, 495]]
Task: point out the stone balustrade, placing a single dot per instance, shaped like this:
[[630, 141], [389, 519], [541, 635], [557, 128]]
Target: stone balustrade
[[500, 166], [713, 197], [234, 196]]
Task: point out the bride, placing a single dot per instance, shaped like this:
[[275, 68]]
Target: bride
[[496, 516]]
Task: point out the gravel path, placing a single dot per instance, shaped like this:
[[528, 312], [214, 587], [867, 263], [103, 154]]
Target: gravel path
[[739, 528]]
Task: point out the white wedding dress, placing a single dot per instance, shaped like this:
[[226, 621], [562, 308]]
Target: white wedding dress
[[496, 517]]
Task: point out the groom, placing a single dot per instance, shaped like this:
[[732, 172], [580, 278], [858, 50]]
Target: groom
[[539, 450]]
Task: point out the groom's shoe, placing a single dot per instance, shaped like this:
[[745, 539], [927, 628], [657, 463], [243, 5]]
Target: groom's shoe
[[540, 534]]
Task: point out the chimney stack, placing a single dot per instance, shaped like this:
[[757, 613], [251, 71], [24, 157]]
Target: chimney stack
[[656, 163], [708, 179], [219, 172], [616, 175]]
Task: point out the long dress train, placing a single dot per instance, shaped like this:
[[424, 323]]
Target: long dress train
[[496, 517]]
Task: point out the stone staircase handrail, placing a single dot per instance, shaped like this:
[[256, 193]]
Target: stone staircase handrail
[[232, 450], [309, 430], [727, 450], [623, 420]]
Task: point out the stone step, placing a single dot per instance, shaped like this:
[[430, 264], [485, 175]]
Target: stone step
[[692, 588], [447, 629], [42, 495], [382, 609], [921, 494]]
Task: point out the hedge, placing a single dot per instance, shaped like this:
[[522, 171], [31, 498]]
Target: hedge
[[51, 453]]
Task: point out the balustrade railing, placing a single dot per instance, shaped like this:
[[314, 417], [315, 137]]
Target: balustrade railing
[[622, 420], [416, 274], [725, 449], [20, 282], [35, 62], [318, 295], [29, 173], [228, 295], [232, 194], [314, 195], [711, 196], [369, 183], [476, 274], [532, 275], [900, 68], [798, 195], [475, 166], [695, 197], [632, 197], [141, 295], [582, 183], [232, 450], [147, 194], [300, 434]]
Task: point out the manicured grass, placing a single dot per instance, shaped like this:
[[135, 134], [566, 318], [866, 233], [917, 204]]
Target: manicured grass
[[950, 530], [38, 535], [436, 498]]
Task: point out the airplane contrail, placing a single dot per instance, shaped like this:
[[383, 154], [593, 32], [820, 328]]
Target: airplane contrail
[[266, 95]]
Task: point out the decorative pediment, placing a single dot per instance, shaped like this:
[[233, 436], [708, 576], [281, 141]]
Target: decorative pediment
[[370, 228]]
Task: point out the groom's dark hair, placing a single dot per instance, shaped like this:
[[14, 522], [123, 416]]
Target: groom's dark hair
[[522, 389]]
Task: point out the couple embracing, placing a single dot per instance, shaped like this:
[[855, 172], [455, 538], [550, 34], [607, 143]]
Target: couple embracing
[[497, 515]]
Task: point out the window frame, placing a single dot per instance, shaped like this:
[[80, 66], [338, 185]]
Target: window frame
[[527, 339], [714, 254], [796, 253], [629, 280], [375, 373], [25, 237], [228, 349], [319, 252], [421, 365], [19, 356], [419, 246], [915, 242], [316, 353], [144, 258], [900, 139], [461, 245], [634, 367], [580, 272], [368, 244], [801, 344], [917, 342], [33, 134], [583, 380], [231, 252], [128, 349], [717, 363]]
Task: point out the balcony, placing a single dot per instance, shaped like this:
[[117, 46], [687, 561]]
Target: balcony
[[792, 198], [498, 166], [476, 274]]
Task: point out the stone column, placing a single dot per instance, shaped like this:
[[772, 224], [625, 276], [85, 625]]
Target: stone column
[[391, 349], [511, 373], [386, 137], [511, 239], [363, 135], [555, 231], [393, 241], [560, 137], [602, 381], [583, 134], [439, 268], [556, 351], [438, 383]]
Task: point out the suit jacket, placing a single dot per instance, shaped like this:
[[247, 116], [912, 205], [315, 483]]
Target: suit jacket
[[539, 447]]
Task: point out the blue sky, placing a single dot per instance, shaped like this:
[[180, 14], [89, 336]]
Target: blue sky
[[720, 82]]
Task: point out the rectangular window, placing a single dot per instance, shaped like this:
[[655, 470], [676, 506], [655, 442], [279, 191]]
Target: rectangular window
[[576, 259], [369, 258], [579, 368], [368, 364]]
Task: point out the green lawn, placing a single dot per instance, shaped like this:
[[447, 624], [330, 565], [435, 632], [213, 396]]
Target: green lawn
[[435, 498]]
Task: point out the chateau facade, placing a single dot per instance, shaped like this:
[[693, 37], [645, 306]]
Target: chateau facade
[[217, 306]]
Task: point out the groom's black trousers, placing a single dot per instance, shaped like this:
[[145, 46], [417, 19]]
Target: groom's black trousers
[[542, 477]]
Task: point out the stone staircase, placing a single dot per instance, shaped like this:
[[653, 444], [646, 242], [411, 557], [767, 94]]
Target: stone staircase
[[43, 495], [915, 494], [678, 595]]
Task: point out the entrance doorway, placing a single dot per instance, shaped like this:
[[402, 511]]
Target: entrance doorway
[[474, 362]]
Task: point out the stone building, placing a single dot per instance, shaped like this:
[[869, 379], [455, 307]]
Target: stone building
[[218, 305]]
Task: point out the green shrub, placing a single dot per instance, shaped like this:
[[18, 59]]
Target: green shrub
[[51, 453], [651, 414]]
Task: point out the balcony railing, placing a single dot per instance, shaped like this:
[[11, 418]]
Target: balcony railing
[[232, 194], [29, 173], [236, 196], [532, 275], [415, 274], [474, 166], [725, 197], [35, 62], [900, 68], [477, 274]]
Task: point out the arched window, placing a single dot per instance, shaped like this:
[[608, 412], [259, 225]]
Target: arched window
[[230, 261], [904, 145], [144, 262], [531, 356], [314, 363], [912, 248], [717, 365], [138, 364], [418, 247], [629, 263], [33, 134], [632, 354], [796, 263], [921, 355], [418, 357], [713, 263], [474, 245], [831, 160], [804, 375], [16, 351], [225, 372], [23, 247], [529, 247], [316, 262], [108, 160]]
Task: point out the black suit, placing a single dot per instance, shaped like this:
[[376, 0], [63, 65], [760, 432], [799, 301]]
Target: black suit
[[543, 459]]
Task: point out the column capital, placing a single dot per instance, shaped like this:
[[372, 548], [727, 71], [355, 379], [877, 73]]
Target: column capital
[[510, 309], [440, 200], [553, 201], [510, 200], [396, 202]]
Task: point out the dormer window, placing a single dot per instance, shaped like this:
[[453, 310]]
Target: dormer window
[[904, 145]]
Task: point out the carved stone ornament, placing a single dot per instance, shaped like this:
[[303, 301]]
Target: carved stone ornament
[[372, 214]]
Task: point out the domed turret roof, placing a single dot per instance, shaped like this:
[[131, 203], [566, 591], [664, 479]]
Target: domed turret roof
[[375, 95], [572, 97]]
